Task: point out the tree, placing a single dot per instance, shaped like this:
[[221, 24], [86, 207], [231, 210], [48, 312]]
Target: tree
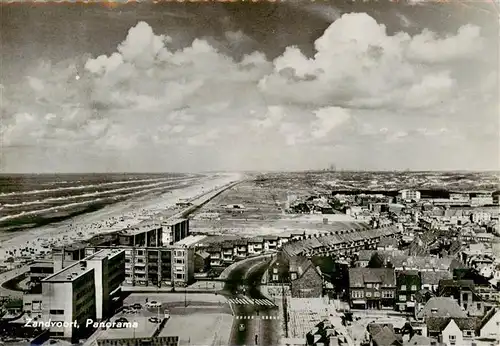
[[376, 261]]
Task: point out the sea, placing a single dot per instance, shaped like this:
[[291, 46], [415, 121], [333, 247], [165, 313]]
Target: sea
[[33, 200]]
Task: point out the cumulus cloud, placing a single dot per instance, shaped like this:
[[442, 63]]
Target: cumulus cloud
[[148, 98]]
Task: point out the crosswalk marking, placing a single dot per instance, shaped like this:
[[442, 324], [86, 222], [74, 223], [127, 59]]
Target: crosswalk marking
[[243, 301]]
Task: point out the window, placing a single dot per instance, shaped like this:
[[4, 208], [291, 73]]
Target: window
[[413, 287], [376, 294], [368, 294], [275, 270], [140, 252], [56, 312], [275, 277], [403, 287], [453, 339], [479, 306], [402, 298], [369, 285]]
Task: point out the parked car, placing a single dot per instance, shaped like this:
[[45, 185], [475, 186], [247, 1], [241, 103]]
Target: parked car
[[154, 320], [153, 304], [137, 306]]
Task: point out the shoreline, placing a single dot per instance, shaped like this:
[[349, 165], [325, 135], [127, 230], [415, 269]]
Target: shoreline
[[107, 219]]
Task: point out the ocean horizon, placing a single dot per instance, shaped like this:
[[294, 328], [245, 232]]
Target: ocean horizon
[[36, 199]]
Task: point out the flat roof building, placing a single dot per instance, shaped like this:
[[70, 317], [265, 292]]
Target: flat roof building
[[175, 230], [143, 234], [80, 292]]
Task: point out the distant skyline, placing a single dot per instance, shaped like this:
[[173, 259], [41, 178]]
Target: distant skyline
[[248, 87]]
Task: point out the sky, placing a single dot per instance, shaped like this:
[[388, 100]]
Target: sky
[[150, 87]]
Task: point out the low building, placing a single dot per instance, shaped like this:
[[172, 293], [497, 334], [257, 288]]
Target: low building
[[463, 291], [489, 326], [201, 261], [430, 279], [306, 280], [255, 246], [439, 307], [452, 331], [372, 288]]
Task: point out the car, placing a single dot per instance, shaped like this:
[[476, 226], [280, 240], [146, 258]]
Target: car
[[242, 328], [153, 304], [137, 306], [154, 320], [121, 320]]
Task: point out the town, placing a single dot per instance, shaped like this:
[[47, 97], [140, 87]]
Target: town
[[288, 259]]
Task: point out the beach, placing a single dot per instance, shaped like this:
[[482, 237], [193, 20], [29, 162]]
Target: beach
[[36, 242]]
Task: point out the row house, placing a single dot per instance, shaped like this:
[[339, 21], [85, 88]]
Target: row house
[[372, 288], [215, 253], [227, 253], [408, 284], [343, 242], [255, 246]]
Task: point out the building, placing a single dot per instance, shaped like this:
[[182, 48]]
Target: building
[[481, 199], [409, 195], [431, 278], [439, 307], [481, 217], [156, 266], [278, 271], [66, 255], [338, 243], [489, 326], [463, 291], [408, 284], [306, 280], [175, 230], [81, 291], [372, 288], [255, 246], [452, 331], [457, 197], [183, 262], [144, 234]]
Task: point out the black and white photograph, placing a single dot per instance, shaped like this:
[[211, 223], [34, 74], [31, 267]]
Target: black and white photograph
[[250, 172]]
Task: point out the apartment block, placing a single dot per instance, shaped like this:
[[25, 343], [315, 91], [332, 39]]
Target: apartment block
[[79, 292], [175, 230], [156, 266], [144, 234]]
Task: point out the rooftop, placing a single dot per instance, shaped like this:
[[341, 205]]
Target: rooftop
[[190, 240], [172, 222], [140, 228], [70, 273], [77, 269]]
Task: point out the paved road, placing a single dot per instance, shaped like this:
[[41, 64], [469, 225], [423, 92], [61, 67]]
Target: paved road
[[257, 314]]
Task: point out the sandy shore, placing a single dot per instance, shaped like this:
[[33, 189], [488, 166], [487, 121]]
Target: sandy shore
[[32, 243]]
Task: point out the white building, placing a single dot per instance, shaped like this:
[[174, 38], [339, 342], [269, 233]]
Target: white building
[[81, 291], [480, 217], [409, 195]]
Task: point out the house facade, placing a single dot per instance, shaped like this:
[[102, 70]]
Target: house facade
[[408, 284], [372, 288]]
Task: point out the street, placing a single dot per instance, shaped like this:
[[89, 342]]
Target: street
[[256, 317]]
